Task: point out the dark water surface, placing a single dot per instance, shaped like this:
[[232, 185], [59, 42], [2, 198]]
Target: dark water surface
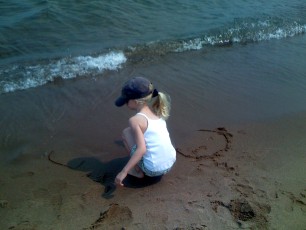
[[48, 39]]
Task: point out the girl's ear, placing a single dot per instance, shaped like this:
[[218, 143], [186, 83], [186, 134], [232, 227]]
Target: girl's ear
[[138, 102]]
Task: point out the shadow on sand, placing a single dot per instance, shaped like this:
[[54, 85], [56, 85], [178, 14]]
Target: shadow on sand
[[105, 173]]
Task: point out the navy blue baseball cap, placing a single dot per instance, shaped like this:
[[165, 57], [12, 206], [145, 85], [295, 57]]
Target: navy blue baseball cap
[[135, 88]]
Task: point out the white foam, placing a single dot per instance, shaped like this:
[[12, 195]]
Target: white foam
[[248, 31], [36, 75], [194, 44], [109, 61]]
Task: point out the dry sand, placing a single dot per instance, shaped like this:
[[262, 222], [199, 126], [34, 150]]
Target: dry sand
[[250, 176]]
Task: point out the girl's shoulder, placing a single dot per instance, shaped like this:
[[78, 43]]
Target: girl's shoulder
[[138, 119]]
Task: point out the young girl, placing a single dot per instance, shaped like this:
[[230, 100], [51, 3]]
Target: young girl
[[147, 138]]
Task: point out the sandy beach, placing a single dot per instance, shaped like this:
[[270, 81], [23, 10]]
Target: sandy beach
[[235, 72], [249, 176]]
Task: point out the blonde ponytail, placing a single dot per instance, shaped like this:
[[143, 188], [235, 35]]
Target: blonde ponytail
[[159, 102], [161, 105]]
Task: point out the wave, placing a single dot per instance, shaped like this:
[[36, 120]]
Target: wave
[[241, 31], [24, 77], [247, 31]]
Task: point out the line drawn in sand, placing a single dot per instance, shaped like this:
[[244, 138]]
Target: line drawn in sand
[[215, 142]]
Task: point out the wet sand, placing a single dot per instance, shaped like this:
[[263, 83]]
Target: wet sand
[[235, 177]]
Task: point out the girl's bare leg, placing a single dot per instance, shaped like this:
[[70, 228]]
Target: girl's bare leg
[[129, 143], [136, 172], [128, 139]]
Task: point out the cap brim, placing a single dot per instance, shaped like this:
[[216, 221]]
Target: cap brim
[[120, 101]]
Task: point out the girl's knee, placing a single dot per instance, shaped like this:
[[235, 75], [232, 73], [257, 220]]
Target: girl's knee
[[126, 133], [128, 138]]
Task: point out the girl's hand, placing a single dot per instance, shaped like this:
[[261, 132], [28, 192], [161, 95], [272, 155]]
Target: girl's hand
[[120, 177]]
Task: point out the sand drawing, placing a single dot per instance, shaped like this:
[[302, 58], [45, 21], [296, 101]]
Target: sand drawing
[[211, 146], [216, 141]]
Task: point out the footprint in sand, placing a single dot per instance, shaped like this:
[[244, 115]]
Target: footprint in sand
[[242, 210], [295, 200], [115, 217]]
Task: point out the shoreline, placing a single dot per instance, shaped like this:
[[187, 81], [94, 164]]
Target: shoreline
[[247, 171], [256, 182]]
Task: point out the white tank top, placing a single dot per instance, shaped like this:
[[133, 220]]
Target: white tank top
[[160, 154]]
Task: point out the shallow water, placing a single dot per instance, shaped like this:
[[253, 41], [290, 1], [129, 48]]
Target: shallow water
[[210, 88]]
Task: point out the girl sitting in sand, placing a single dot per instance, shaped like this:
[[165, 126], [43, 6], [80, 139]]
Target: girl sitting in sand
[[147, 137]]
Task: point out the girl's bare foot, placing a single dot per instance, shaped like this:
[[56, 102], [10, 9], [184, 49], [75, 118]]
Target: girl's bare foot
[[136, 172]]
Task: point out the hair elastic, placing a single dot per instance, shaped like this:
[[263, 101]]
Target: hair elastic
[[155, 93]]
